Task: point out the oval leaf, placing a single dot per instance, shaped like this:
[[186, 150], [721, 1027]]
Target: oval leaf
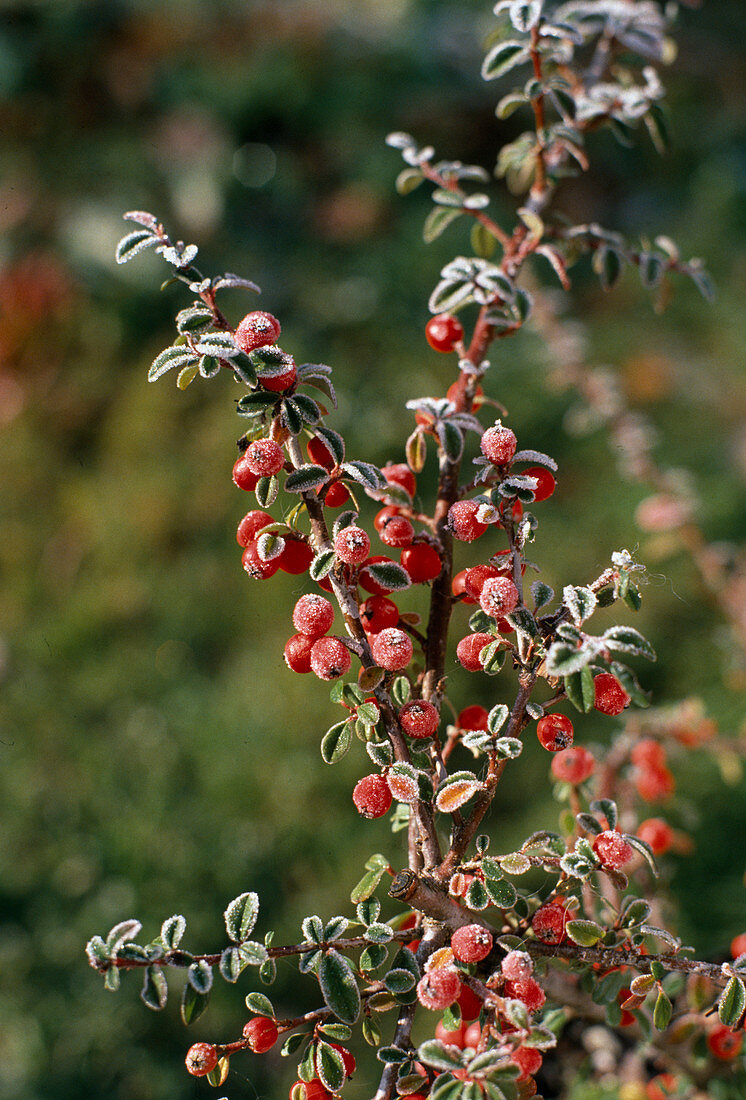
[[338, 987]]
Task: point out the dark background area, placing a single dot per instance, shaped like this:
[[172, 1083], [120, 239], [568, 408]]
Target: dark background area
[[157, 756]]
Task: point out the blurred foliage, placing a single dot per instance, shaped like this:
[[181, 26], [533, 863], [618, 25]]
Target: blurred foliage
[[158, 757]]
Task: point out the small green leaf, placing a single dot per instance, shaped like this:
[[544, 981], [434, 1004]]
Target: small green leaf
[[199, 975], [322, 564], [193, 1004], [662, 1012], [502, 58], [330, 1067], [230, 964], [437, 221], [336, 742], [502, 893], [306, 479], [171, 932], [338, 987], [585, 933], [154, 990], [259, 1004], [580, 689], [240, 916], [399, 981], [732, 1002]]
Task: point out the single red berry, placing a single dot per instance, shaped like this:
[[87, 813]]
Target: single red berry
[[264, 457], [654, 784], [422, 562], [372, 796], [518, 965], [384, 515], [276, 383], [201, 1059], [258, 569], [555, 732], [252, 523], [391, 648], [257, 330], [499, 596], [545, 482], [310, 1090], [659, 835], [450, 1038], [336, 495], [738, 945], [528, 1060], [378, 612], [469, 1003], [610, 696], [396, 531], [573, 765], [243, 476], [352, 545], [419, 718], [296, 557], [527, 990], [443, 332], [612, 849], [458, 587], [469, 648], [297, 653], [548, 923], [648, 753], [319, 453], [439, 988], [662, 1087], [368, 581], [471, 943], [724, 1043], [476, 577], [313, 615], [262, 1034], [473, 1035], [498, 444], [472, 718], [398, 473], [330, 658], [463, 521]]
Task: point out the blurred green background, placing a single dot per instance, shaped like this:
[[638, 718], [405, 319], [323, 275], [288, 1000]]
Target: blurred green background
[[157, 756]]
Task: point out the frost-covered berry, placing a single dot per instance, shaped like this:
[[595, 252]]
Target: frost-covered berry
[[469, 648], [251, 523], [255, 566], [612, 849], [573, 765], [657, 833], [403, 787], [398, 473], [471, 943], [264, 457], [555, 732], [498, 444], [545, 483], [472, 718], [443, 332], [243, 476], [610, 696], [391, 649], [330, 658], [352, 545], [261, 1033], [527, 990], [297, 652], [463, 521], [381, 518], [517, 965], [422, 562], [499, 596], [201, 1059], [396, 531], [439, 988], [372, 796], [313, 615], [548, 923], [419, 718], [257, 330], [528, 1060], [378, 612]]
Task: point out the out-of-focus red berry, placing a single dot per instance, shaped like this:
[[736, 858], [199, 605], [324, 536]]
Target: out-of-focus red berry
[[573, 765], [648, 753], [659, 835], [654, 784], [724, 1043]]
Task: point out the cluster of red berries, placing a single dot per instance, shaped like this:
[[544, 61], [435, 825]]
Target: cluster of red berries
[[310, 650]]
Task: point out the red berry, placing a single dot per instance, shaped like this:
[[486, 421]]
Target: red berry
[[545, 482], [471, 943], [555, 732], [297, 652], [518, 965], [330, 658], [313, 615], [458, 587], [654, 784], [242, 475], [319, 453], [262, 1034], [398, 473], [548, 923], [527, 990], [463, 521], [476, 577], [372, 796], [738, 945], [378, 612], [443, 332], [201, 1059], [454, 390], [396, 531], [573, 765], [659, 835], [257, 330], [369, 582], [528, 1059], [610, 696], [422, 562], [499, 596], [450, 1038], [391, 648], [264, 457], [724, 1043], [296, 557], [469, 648], [352, 545], [498, 444], [257, 568], [439, 988], [276, 383], [612, 849], [473, 1035], [419, 718], [336, 495], [251, 523], [385, 514], [310, 1090], [472, 718], [648, 753], [469, 1003]]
